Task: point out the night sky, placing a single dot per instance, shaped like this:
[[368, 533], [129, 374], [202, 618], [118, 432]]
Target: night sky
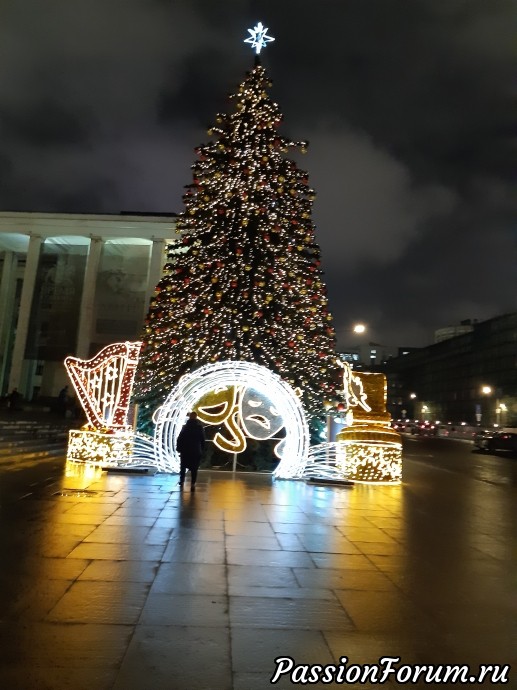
[[409, 106]]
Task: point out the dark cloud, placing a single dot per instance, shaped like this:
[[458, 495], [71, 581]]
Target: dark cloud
[[409, 108], [46, 123]]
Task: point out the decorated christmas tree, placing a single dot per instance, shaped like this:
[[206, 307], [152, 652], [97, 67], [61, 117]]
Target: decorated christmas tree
[[244, 280]]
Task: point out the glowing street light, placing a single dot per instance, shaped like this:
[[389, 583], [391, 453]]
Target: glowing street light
[[486, 391], [359, 328]]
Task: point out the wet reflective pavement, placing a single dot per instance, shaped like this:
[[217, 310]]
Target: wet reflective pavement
[[122, 582]]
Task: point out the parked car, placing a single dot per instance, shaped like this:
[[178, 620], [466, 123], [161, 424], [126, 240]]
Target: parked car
[[493, 440]]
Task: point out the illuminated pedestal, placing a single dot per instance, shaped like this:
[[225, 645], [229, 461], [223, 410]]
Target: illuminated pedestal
[[100, 448], [370, 455], [369, 449]]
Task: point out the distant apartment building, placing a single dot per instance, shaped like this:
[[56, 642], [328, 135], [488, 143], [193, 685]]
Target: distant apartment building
[[469, 378], [370, 355], [69, 285]]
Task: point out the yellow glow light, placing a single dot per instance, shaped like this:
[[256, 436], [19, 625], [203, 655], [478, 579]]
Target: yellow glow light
[[100, 448], [370, 451]]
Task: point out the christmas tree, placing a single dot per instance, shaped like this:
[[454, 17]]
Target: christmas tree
[[244, 280]]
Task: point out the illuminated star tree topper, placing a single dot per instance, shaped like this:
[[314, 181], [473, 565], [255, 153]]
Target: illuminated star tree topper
[[258, 37]]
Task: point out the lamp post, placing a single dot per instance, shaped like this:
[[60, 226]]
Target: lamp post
[[500, 411]]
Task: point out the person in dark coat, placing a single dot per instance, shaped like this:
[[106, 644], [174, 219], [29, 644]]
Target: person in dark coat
[[14, 400], [190, 446]]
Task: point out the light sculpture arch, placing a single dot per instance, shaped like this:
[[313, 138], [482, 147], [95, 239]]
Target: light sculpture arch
[[192, 387]]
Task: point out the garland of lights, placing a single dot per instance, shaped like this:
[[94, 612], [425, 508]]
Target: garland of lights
[[223, 376]]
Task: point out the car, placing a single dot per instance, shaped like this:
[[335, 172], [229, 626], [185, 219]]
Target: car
[[497, 439], [424, 429]]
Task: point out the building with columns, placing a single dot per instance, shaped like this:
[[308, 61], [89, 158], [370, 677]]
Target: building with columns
[[69, 285]]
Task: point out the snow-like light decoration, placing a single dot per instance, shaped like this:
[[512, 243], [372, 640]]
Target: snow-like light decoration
[[372, 451], [258, 37], [103, 386], [326, 461], [246, 398], [100, 447]]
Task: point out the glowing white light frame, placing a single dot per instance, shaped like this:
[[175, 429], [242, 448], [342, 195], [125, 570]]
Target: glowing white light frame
[[258, 37], [171, 416]]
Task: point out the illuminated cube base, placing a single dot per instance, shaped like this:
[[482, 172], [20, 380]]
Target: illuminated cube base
[[100, 448], [371, 462]]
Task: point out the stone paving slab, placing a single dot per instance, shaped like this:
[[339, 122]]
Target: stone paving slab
[[133, 584]]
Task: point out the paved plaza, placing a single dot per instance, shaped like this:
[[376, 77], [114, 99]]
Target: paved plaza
[[122, 582]]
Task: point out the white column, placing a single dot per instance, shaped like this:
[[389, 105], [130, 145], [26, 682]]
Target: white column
[[7, 288], [156, 263], [22, 325], [84, 334]]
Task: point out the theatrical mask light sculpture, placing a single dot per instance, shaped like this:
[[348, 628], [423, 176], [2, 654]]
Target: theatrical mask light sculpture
[[368, 450], [247, 401], [103, 385]]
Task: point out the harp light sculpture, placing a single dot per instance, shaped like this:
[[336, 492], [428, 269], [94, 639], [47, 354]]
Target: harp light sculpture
[[103, 385]]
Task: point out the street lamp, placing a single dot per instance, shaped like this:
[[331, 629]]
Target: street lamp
[[486, 391]]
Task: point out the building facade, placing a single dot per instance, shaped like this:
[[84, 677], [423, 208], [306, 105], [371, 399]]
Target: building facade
[[469, 378], [69, 285]]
